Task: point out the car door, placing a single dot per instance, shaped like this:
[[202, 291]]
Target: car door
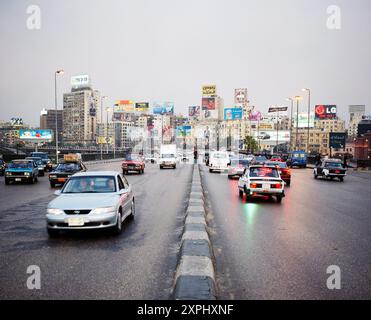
[[125, 198]]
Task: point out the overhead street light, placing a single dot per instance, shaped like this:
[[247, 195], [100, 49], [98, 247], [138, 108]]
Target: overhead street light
[[60, 72], [297, 99], [308, 91]]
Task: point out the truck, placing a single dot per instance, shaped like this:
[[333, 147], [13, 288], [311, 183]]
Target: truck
[[167, 156]]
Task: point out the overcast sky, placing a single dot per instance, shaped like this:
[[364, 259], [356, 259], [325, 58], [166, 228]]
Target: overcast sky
[[167, 49]]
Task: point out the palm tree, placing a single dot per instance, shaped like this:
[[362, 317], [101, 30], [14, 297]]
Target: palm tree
[[251, 144]]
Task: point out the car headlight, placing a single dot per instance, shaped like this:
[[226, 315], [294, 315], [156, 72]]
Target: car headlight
[[8, 173], [103, 210], [55, 212], [52, 177], [26, 173]]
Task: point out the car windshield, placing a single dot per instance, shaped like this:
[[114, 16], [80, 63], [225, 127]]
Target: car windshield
[[131, 157], [219, 156], [167, 155], [40, 155], [264, 172], [280, 164], [260, 158], [333, 164], [90, 184], [37, 160], [20, 165], [237, 163], [67, 167]]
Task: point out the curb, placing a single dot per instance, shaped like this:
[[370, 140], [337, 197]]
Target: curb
[[195, 274]]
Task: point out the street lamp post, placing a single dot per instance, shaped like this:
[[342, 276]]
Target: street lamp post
[[108, 110], [297, 98], [308, 90], [56, 112], [291, 109]]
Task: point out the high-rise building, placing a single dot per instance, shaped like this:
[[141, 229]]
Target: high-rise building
[[355, 116], [47, 121], [80, 108]]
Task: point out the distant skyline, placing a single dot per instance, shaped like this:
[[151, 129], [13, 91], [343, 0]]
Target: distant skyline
[[165, 50]]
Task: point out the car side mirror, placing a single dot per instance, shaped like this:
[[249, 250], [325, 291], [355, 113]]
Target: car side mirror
[[57, 192], [122, 191]]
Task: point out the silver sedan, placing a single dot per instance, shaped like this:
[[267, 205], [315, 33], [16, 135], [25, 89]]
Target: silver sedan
[[91, 200]]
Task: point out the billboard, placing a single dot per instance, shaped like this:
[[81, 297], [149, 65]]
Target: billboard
[[163, 108], [142, 106], [240, 96], [233, 113], [183, 131], [266, 126], [122, 116], [208, 103], [270, 137], [303, 120], [209, 90], [255, 116], [277, 109], [125, 105], [80, 81], [194, 111], [338, 140], [325, 112], [16, 121], [36, 135]]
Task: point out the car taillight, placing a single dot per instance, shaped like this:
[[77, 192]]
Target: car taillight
[[276, 186], [253, 185]]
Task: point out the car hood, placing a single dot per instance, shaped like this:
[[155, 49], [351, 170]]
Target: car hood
[[84, 201], [19, 170]]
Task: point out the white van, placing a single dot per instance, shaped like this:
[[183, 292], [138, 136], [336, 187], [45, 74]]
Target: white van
[[167, 156], [218, 161]]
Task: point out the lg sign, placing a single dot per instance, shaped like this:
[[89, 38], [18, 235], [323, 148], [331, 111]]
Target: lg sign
[[326, 111]]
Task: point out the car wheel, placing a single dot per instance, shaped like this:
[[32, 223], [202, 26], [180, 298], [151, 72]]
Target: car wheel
[[315, 176], [7, 181], [52, 232], [124, 172], [279, 199], [288, 183], [229, 177], [132, 209], [36, 179], [210, 170], [240, 192], [118, 227], [341, 179], [52, 184]]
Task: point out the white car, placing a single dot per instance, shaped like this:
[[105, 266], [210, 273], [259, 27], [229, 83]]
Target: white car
[[91, 200], [219, 161], [260, 180]]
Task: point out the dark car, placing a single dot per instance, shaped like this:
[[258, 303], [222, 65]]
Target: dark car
[[260, 160], [63, 171], [2, 167], [40, 164], [48, 166], [330, 169]]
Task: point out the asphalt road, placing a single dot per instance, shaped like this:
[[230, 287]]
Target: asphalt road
[[138, 264], [266, 250]]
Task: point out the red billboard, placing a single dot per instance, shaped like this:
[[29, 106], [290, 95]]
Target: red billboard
[[325, 112], [208, 103]]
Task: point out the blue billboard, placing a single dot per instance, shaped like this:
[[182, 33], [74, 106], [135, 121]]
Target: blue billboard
[[233, 114], [163, 108], [183, 131]]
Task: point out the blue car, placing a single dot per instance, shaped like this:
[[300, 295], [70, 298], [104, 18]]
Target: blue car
[[298, 159], [21, 171]]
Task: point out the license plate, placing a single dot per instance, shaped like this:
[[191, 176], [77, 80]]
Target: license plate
[[266, 187], [75, 222], [18, 179], [61, 180]]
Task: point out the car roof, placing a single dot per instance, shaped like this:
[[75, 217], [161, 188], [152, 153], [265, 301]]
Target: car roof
[[22, 160], [96, 173], [263, 166]]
